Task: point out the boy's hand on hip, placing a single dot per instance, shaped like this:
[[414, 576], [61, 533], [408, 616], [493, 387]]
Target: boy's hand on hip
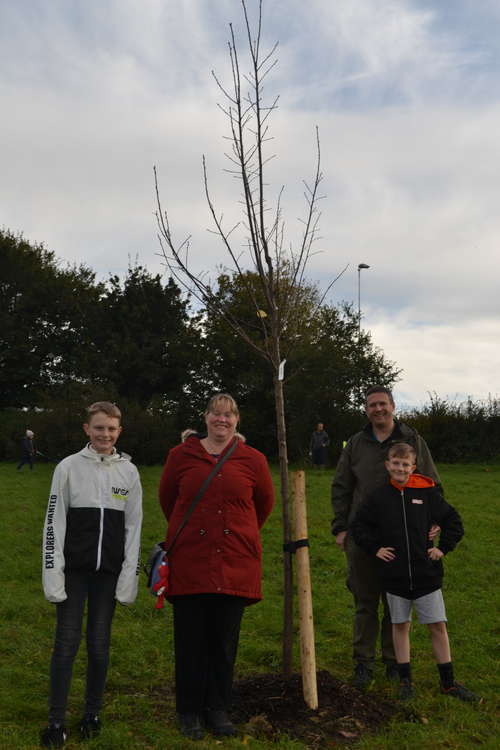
[[435, 553], [386, 554]]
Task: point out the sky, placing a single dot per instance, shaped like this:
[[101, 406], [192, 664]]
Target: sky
[[405, 95]]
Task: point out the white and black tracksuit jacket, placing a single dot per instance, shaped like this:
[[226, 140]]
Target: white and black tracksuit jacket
[[93, 522]]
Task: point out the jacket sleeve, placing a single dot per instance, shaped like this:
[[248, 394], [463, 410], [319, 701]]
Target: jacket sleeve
[[126, 587], [342, 490], [168, 490], [364, 528], [425, 463], [263, 492], [448, 518], [54, 533]]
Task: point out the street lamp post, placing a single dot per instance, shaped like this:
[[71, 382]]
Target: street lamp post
[[361, 267]]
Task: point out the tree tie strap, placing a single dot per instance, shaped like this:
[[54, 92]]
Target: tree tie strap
[[292, 547]]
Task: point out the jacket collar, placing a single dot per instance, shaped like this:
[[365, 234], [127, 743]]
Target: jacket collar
[[396, 434], [89, 453]]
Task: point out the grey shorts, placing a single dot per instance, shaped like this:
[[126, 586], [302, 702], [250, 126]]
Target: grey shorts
[[429, 608]]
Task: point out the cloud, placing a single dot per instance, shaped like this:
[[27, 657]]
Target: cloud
[[453, 361], [405, 97]]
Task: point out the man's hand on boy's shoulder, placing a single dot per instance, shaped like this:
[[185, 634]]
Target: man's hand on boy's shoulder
[[435, 553], [340, 539], [386, 554]]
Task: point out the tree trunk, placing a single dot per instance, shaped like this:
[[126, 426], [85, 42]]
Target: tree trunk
[[287, 555]]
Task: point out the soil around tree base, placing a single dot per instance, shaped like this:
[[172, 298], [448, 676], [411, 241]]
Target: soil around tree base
[[265, 704]]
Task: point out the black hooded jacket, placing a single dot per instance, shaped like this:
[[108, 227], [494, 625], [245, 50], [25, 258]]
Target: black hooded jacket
[[400, 517]]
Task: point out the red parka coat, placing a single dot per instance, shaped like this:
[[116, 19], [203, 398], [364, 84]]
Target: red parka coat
[[219, 549]]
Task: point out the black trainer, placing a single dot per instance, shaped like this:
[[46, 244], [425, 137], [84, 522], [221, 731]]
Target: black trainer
[[406, 691], [363, 677], [54, 735], [90, 726], [191, 726], [459, 691], [219, 723]]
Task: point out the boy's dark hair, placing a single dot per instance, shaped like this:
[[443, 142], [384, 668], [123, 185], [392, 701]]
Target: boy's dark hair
[[402, 450], [379, 389], [111, 410]]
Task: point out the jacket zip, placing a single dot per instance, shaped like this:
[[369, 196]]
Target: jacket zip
[[407, 539], [101, 524]]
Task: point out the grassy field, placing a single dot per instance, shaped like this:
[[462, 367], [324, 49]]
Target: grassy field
[[139, 709]]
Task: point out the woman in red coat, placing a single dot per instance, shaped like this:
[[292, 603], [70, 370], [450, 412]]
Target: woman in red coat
[[215, 566]]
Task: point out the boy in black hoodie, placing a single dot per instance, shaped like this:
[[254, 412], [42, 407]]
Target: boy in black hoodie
[[394, 524]]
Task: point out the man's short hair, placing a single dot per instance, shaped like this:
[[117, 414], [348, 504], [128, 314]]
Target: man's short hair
[[379, 389], [111, 410], [402, 450]]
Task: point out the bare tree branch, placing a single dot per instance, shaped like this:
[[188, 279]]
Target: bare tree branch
[[277, 288]]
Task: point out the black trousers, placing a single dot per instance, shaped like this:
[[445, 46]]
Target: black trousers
[[99, 588], [206, 634], [27, 459]]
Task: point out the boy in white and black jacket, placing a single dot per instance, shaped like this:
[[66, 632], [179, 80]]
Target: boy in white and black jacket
[[394, 525], [91, 547]]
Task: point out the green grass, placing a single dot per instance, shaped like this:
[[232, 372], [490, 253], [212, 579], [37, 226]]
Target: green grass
[[139, 708]]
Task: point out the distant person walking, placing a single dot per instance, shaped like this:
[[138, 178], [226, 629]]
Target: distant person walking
[[318, 448], [28, 450]]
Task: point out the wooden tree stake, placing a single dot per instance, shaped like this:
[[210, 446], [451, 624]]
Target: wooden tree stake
[[306, 621]]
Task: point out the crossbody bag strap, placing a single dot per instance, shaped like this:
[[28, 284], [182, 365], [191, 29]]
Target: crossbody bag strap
[[200, 494]]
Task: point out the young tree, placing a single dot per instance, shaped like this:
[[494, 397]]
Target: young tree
[[280, 271]]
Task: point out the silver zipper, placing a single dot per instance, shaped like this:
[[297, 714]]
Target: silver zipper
[[101, 528], [407, 538]]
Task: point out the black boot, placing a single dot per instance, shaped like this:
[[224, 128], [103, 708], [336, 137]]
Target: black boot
[[191, 726], [219, 723]]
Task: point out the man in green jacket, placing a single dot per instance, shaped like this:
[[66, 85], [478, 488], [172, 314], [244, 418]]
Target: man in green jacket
[[360, 470]]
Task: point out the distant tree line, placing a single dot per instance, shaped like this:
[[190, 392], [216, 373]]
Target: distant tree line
[[468, 431], [67, 339]]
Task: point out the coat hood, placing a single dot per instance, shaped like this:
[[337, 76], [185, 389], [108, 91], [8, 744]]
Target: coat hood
[[416, 480]]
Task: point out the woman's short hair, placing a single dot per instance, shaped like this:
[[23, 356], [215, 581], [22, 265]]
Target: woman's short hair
[[217, 398], [111, 410]]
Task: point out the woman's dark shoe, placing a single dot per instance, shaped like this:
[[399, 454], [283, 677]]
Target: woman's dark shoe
[[219, 723], [190, 726], [90, 726]]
